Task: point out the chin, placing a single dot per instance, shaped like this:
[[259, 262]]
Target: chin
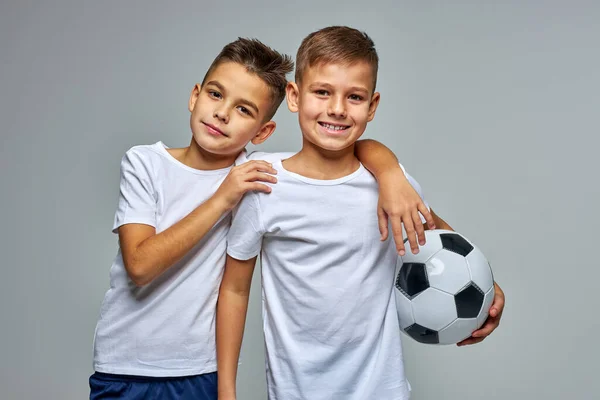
[[332, 144]]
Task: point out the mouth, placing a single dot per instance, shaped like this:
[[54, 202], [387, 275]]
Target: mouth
[[213, 130], [334, 128]]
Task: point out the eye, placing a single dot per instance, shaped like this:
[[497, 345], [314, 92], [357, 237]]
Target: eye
[[215, 94], [244, 110], [321, 92], [355, 97]]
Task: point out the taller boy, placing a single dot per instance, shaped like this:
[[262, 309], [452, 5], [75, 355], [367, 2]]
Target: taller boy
[[330, 323]]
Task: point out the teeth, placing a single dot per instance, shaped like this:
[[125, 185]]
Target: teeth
[[334, 127]]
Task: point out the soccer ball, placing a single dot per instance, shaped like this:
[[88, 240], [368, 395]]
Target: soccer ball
[[444, 292]]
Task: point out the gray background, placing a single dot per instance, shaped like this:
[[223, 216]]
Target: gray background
[[492, 107]]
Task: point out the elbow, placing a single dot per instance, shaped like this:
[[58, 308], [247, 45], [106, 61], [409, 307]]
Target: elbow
[[137, 273], [233, 288]]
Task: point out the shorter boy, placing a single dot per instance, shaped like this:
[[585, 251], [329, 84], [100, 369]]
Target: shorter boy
[[155, 336]]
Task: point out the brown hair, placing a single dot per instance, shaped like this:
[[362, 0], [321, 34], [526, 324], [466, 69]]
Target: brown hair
[[261, 60], [336, 44]]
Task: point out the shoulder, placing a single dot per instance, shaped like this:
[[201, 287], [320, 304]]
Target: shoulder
[[144, 160], [145, 151], [410, 178], [246, 156], [415, 184]]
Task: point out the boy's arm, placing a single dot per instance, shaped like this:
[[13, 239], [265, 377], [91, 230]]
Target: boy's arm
[[398, 200], [496, 308], [438, 221], [231, 318], [146, 254]]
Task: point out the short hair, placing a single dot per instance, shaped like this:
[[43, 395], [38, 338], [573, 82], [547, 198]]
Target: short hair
[[259, 59], [336, 44]]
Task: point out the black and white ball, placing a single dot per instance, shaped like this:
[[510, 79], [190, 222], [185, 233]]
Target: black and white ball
[[444, 292]]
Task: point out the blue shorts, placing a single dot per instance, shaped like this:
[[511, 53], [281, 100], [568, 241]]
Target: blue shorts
[[196, 387]]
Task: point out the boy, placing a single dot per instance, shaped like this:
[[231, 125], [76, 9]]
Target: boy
[[330, 322], [155, 335]]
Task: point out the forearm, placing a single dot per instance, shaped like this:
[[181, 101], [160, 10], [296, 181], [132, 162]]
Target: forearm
[[377, 158], [159, 252], [231, 318]]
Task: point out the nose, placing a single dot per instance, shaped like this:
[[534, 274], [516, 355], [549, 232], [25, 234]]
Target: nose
[[337, 107], [221, 114]]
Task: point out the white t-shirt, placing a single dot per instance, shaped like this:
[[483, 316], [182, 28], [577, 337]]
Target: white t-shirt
[[330, 321], [165, 328]]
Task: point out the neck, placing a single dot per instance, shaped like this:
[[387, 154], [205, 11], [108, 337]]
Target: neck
[[196, 157], [318, 163]]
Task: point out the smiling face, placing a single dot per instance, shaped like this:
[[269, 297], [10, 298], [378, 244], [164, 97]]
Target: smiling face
[[229, 110], [334, 103]]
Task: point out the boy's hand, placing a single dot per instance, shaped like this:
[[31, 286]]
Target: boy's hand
[[244, 178], [399, 201], [491, 322]]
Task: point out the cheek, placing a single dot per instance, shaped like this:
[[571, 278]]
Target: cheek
[[360, 113], [201, 104], [311, 108], [243, 128]]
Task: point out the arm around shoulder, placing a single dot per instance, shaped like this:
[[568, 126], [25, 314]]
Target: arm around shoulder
[[146, 254], [399, 197]]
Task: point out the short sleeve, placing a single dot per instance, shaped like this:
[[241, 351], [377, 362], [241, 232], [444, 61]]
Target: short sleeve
[[417, 188], [137, 200], [244, 239]]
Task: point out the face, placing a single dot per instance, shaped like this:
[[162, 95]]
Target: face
[[229, 110], [334, 103]]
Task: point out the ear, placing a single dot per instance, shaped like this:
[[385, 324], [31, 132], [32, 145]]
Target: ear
[[291, 94], [264, 132], [194, 96], [373, 106]]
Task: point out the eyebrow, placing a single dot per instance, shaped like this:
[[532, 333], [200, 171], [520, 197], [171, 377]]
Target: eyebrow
[[315, 85], [243, 101]]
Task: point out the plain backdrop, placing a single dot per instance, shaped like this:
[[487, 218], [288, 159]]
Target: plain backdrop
[[492, 106]]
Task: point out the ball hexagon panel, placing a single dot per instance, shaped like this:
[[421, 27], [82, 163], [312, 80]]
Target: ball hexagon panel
[[458, 330], [422, 334], [433, 244], [404, 308], [480, 270], [448, 271], [412, 279], [456, 243], [487, 303], [469, 301], [434, 309]]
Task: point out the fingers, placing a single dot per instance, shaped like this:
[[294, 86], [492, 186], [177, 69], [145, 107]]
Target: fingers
[[258, 187], [397, 233], [488, 327], [419, 227], [248, 176], [480, 334], [469, 341], [257, 165], [411, 235], [383, 223], [498, 303], [259, 176], [427, 215]]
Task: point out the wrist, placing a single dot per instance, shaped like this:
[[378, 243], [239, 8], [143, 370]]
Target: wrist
[[393, 173], [226, 394], [219, 204]]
